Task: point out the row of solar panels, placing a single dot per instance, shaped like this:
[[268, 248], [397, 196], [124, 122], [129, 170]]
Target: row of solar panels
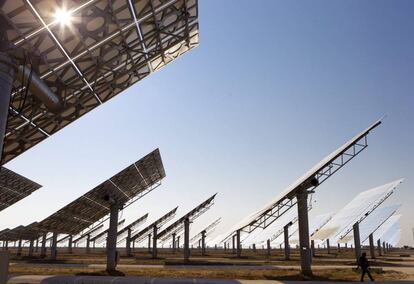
[[366, 208], [126, 186]]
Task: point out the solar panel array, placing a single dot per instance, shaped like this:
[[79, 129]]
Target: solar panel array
[[28, 232], [14, 187], [107, 47], [355, 211], [131, 183]]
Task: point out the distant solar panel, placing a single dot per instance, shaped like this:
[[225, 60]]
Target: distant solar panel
[[14, 187], [105, 48], [207, 231], [142, 234], [130, 184], [355, 211], [178, 226], [375, 220], [388, 229]]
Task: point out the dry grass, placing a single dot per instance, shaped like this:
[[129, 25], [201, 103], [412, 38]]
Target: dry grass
[[273, 274]]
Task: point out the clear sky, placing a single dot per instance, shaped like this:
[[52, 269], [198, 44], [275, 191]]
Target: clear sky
[[273, 87]]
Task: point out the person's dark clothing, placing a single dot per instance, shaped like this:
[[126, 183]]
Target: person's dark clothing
[[364, 264]]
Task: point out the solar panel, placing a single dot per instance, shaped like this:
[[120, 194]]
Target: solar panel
[[142, 234], [315, 224], [178, 225], [208, 230], [14, 187], [107, 47], [127, 186], [310, 180], [28, 232], [132, 226], [355, 211], [99, 238], [375, 220], [386, 230]]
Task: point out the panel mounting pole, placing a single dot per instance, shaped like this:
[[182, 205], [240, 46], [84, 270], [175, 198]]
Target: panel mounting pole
[[186, 239], [111, 253], [328, 246], [203, 243], [173, 242], [19, 248], [238, 242], [70, 244], [303, 222], [357, 241], [53, 249], [154, 242], [268, 247], [43, 248], [31, 246], [88, 243], [371, 246], [149, 243], [379, 247], [286, 241], [128, 243]]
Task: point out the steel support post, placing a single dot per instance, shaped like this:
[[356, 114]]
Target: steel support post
[[383, 248], [339, 247], [53, 249], [31, 247], [173, 242], [19, 248], [234, 244], [357, 241], [313, 247], [149, 243], [70, 244], [178, 243], [203, 243], [238, 242], [111, 253], [37, 244], [328, 246], [379, 247], [286, 239], [371, 246], [186, 239], [154, 242], [303, 222], [268, 247], [128, 243], [254, 247], [43, 248], [88, 243]]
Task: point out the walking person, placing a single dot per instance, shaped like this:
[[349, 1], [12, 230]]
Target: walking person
[[364, 264]]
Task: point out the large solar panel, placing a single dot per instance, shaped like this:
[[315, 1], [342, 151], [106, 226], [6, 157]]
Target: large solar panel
[[207, 230], [355, 211], [128, 185], [14, 187], [107, 47], [310, 180]]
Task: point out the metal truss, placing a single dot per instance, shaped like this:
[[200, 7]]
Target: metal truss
[[109, 47]]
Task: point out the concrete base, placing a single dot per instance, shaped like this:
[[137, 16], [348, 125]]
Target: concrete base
[[4, 266]]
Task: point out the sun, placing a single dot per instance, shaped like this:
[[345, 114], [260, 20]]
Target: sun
[[63, 17]]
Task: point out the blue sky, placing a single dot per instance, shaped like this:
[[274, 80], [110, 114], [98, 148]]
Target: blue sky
[[273, 87]]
